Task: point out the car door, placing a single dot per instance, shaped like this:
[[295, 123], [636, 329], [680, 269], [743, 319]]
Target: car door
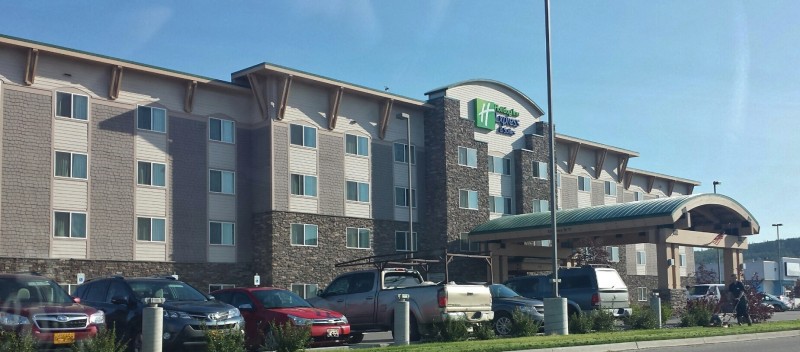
[[360, 300], [335, 295], [252, 320], [119, 306]]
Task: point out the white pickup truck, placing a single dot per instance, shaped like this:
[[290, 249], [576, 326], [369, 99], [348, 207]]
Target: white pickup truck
[[367, 298]]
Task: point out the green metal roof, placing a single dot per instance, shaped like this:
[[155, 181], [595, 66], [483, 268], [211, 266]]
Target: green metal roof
[[604, 213]]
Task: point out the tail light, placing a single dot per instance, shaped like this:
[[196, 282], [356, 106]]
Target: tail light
[[595, 299], [442, 298]]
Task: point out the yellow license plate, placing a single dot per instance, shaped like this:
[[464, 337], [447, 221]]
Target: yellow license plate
[[61, 338]]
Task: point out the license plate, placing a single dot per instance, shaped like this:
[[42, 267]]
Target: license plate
[[61, 338], [333, 332]]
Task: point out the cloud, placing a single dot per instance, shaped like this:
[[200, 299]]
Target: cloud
[[143, 25], [741, 76], [358, 15]]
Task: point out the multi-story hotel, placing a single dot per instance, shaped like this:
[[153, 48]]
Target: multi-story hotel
[[116, 167]]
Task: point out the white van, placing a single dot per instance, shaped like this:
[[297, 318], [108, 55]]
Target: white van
[[707, 291]]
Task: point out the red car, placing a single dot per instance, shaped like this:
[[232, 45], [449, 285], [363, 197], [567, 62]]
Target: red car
[[261, 305]]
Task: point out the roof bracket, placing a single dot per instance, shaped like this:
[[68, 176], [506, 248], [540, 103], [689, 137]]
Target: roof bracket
[[116, 82], [622, 167], [30, 68], [670, 187], [287, 86], [601, 159], [627, 180], [255, 88], [650, 181], [188, 100], [335, 98], [573, 155], [384, 122]]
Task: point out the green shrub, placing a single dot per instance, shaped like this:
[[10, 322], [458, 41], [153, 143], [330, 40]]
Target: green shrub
[[287, 337], [603, 321], [13, 342], [523, 324], [698, 312], [484, 331], [450, 330], [104, 341], [580, 323], [666, 312], [642, 318], [225, 341]]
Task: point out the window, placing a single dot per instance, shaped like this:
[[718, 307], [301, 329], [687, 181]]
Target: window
[[404, 242], [613, 254], [221, 181], [641, 258], [303, 135], [467, 199], [70, 165], [152, 174], [468, 246], [540, 205], [401, 197], [610, 188], [304, 235], [584, 184], [217, 287], [500, 205], [357, 238], [540, 170], [151, 119], [72, 106], [467, 157], [637, 196], [221, 233], [151, 229], [305, 290], [558, 179], [357, 191], [69, 224], [682, 260], [401, 153], [356, 145], [304, 185], [221, 130], [641, 293], [499, 165]]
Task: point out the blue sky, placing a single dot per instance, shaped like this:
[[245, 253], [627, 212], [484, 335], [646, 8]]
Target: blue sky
[[704, 90]]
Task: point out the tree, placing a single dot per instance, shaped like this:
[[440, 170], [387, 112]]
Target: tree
[[590, 251], [705, 276]]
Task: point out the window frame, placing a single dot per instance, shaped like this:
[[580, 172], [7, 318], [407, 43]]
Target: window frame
[[302, 185], [303, 143], [507, 204], [470, 157], [358, 234], [151, 218], [72, 106], [69, 225], [538, 203], [641, 257], [151, 129], [358, 140], [71, 165], [613, 254], [404, 147], [222, 123], [682, 260], [405, 197], [585, 183], [638, 196], [610, 188], [305, 289], [505, 165], [466, 245], [359, 191], [641, 294], [413, 241], [222, 173], [469, 192], [222, 233], [152, 174], [540, 169], [306, 238]]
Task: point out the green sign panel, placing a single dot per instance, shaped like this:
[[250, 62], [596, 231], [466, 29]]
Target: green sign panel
[[485, 114]]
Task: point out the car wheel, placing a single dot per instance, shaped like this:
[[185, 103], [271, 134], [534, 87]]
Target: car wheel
[[503, 324], [354, 338]]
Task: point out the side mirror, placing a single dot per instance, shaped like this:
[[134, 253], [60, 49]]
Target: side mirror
[[211, 298], [120, 300], [246, 307]]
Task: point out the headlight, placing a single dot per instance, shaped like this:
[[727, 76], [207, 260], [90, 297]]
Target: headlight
[[233, 313], [176, 314], [344, 319], [97, 318], [13, 320], [300, 321]]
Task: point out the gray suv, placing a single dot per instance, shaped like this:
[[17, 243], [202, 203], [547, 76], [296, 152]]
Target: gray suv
[[590, 287]]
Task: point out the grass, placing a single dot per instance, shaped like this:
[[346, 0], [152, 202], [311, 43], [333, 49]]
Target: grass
[[535, 342]]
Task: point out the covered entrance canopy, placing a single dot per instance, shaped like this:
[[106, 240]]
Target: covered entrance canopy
[[701, 220]]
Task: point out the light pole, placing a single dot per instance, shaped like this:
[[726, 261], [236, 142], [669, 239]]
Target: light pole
[[719, 257], [410, 238], [715, 183], [780, 259]]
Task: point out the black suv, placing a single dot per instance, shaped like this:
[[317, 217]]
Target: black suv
[[188, 313]]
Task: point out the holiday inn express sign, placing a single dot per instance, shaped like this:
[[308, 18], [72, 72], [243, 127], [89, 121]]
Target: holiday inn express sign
[[488, 114]]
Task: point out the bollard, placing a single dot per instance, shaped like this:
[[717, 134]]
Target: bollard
[[401, 332], [555, 316], [655, 306], [152, 325]]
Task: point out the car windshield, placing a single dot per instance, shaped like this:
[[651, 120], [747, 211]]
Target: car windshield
[[502, 291], [24, 292], [279, 299], [700, 290], [167, 289]]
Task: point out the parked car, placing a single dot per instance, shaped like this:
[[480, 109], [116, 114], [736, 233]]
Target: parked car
[[36, 304], [714, 292], [589, 287], [505, 301], [776, 303], [188, 313], [261, 305]]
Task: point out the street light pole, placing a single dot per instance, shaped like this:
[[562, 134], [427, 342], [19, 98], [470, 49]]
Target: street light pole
[[715, 183], [410, 238], [780, 259], [719, 257]]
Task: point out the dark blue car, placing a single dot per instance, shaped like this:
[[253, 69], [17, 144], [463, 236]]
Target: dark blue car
[[505, 301]]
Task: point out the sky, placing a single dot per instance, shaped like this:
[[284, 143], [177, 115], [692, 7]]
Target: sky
[[703, 90]]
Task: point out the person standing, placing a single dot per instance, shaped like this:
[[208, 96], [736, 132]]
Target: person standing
[[737, 290]]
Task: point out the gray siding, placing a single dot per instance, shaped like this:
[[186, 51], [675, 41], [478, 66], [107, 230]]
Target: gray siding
[[187, 152], [248, 188], [331, 175], [569, 192], [258, 156], [382, 182], [112, 178], [280, 168], [598, 192], [27, 128]]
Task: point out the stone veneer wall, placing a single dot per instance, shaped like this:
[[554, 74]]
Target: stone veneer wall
[[529, 187]]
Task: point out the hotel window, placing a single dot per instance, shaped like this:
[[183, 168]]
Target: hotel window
[[641, 257], [637, 196], [610, 188], [558, 179], [304, 185], [151, 174], [613, 254], [540, 205], [217, 287], [467, 199], [357, 191], [221, 233], [401, 153], [499, 165], [357, 238], [303, 135], [500, 205], [304, 235], [72, 106], [405, 243], [641, 293], [305, 290], [221, 130], [682, 260], [151, 119], [540, 170], [356, 145], [584, 184], [401, 197], [69, 224], [467, 245], [221, 181], [467, 157], [151, 229], [71, 165]]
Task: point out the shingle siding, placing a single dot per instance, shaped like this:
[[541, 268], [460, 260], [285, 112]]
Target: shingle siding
[[189, 189], [280, 167], [382, 182], [331, 174]]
